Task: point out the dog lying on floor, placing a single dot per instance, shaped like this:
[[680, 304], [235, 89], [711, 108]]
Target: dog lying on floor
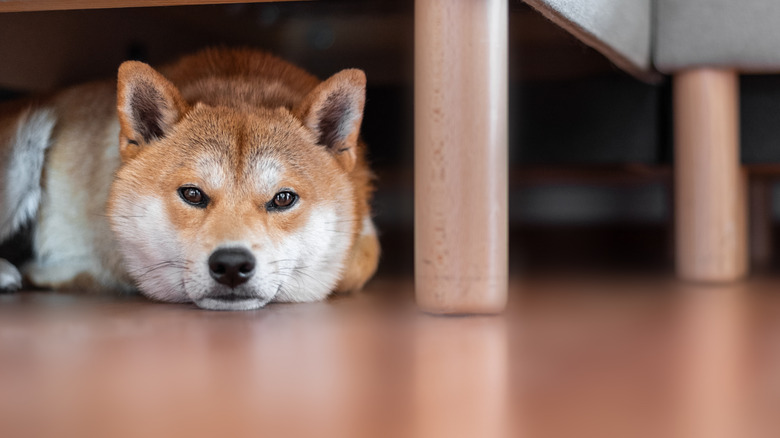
[[238, 179]]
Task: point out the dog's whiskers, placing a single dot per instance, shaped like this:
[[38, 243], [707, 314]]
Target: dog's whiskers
[[168, 264]]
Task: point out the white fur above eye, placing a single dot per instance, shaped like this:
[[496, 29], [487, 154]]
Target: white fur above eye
[[266, 175]]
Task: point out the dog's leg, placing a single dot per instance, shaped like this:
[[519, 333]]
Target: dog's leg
[[23, 143], [362, 261], [10, 278]]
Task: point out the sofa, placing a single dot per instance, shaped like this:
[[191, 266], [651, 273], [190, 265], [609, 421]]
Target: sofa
[[703, 46]]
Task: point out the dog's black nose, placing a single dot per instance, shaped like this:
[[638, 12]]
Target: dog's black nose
[[231, 266]]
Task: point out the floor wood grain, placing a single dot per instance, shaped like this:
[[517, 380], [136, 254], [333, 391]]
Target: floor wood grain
[[572, 356]]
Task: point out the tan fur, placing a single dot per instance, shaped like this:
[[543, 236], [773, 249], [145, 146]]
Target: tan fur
[[215, 116], [361, 265]]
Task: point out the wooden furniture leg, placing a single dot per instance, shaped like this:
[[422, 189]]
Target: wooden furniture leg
[[710, 186], [761, 222], [461, 155]]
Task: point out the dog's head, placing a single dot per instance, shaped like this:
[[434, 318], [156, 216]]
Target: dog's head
[[232, 207]]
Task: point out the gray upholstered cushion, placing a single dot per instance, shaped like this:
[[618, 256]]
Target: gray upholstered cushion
[[620, 29], [744, 34]]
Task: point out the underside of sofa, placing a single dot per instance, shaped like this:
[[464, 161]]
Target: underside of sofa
[[645, 37], [619, 29]]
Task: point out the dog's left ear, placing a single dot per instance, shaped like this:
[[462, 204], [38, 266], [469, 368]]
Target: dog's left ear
[[148, 105], [334, 111]]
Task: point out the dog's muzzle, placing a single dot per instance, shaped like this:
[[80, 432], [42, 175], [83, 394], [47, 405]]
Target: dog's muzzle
[[231, 268]]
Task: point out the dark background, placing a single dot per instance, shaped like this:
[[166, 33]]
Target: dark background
[[590, 146]]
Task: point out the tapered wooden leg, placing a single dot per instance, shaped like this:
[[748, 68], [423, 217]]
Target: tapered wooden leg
[[710, 183], [461, 155], [714, 380], [761, 222]]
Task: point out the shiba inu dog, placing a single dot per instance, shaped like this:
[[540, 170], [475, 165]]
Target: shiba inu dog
[[238, 179]]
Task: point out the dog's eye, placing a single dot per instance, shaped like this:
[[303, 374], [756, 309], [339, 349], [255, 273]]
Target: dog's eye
[[282, 200], [193, 196]]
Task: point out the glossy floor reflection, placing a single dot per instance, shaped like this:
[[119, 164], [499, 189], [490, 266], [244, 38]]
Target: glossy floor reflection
[[585, 357]]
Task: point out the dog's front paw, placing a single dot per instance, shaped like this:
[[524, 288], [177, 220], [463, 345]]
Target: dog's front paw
[[10, 277]]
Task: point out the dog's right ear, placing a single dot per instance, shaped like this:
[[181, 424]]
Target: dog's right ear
[[148, 105]]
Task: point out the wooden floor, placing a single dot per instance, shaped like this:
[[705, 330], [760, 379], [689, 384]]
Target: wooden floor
[[572, 357]]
